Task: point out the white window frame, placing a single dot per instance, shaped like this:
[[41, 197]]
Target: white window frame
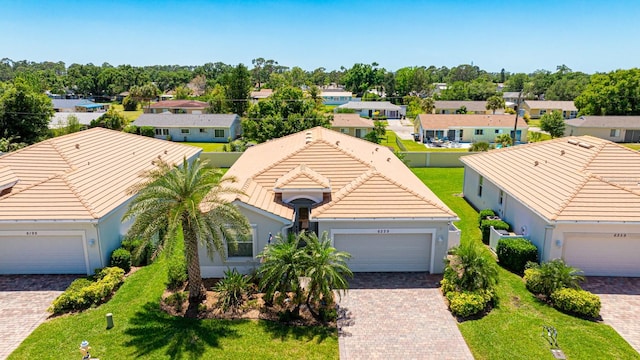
[[479, 132], [252, 240], [161, 131], [203, 130], [215, 133], [614, 133], [185, 131]]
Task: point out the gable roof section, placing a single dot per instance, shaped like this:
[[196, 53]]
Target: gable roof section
[[454, 121], [302, 177], [375, 105], [549, 104], [470, 105], [354, 168], [351, 121], [573, 179], [81, 176], [627, 122], [170, 120], [191, 104]]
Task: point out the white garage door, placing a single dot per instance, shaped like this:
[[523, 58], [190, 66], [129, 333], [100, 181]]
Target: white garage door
[[388, 252], [603, 254], [42, 255]]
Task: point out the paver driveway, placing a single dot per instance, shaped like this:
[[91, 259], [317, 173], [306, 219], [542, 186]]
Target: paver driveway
[[24, 300], [620, 299], [398, 316]]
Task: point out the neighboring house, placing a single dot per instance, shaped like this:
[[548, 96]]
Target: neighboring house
[[613, 128], [84, 118], [77, 105], [575, 198], [469, 128], [537, 108], [192, 127], [511, 99], [260, 95], [371, 205], [473, 107], [62, 200], [439, 87], [177, 107], [375, 108], [330, 97], [351, 124]]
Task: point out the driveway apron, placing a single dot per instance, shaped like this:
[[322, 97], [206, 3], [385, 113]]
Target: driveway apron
[[397, 316], [24, 300], [620, 298]]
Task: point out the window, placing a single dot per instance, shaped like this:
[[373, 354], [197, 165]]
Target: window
[[203, 130], [497, 131], [501, 197], [184, 131], [542, 112], [344, 131], [359, 133], [480, 182], [614, 133], [244, 247], [479, 131], [219, 133], [161, 132]]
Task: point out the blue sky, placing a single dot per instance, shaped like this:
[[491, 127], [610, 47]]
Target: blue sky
[[519, 36]]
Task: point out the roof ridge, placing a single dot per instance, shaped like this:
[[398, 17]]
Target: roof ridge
[[79, 196], [599, 148], [573, 195], [62, 155], [347, 189], [614, 184]]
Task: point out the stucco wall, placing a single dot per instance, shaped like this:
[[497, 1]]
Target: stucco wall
[[195, 135], [111, 231], [602, 133]]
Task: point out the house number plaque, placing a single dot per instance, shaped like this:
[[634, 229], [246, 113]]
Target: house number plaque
[[383, 231], [32, 233], [619, 235]]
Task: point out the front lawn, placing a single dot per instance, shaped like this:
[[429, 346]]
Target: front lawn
[[207, 147], [129, 115], [142, 331], [410, 145], [634, 146], [513, 329]]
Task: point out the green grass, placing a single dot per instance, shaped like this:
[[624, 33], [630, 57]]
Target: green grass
[[410, 145], [513, 330], [142, 331], [129, 115], [207, 147], [534, 123], [634, 146]]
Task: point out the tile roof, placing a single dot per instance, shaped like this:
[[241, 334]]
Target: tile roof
[[261, 94], [169, 120], [302, 177], [627, 122], [362, 176], [569, 179], [80, 176], [455, 121], [511, 94], [470, 105], [191, 104], [376, 105], [548, 104], [351, 121]]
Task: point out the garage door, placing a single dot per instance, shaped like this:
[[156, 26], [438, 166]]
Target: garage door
[[603, 254], [42, 255], [388, 252]]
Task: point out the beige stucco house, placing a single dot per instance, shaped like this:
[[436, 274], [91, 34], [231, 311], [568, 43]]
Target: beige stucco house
[[360, 193], [469, 128], [613, 128], [62, 200], [351, 124], [575, 198], [472, 107], [537, 108]]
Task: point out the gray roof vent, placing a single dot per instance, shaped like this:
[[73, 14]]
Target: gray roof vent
[[585, 145]]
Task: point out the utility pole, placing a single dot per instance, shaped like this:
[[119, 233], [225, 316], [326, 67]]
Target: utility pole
[[515, 125]]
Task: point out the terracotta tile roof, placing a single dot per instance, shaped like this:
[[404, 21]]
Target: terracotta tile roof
[[351, 121], [627, 122], [192, 104], [261, 94], [567, 179], [455, 121], [362, 176], [548, 104], [302, 177], [81, 176]]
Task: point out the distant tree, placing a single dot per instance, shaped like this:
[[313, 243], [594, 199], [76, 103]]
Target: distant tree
[[378, 133], [517, 82], [145, 92], [461, 110], [148, 131], [568, 87], [362, 77], [315, 93], [68, 126], [8, 144], [238, 89], [495, 102], [129, 103], [182, 93], [110, 120], [217, 99], [25, 112], [416, 106], [553, 123], [613, 93]]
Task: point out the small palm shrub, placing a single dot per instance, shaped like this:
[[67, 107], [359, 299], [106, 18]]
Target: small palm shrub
[[177, 300], [578, 302], [514, 253], [480, 146], [232, 290], [121, 258], [551, 276]]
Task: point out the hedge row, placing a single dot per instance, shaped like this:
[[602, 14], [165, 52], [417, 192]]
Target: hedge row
[[485, 227], [83, 293], [514, 253], [578, 302]]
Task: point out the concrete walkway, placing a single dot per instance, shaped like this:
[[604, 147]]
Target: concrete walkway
[[24, 300], [402, 128], [397, 316], [620, 299]]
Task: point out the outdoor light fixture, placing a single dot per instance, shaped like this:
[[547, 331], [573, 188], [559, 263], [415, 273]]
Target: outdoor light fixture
[[558, 243], [440, 238], [92, 242]]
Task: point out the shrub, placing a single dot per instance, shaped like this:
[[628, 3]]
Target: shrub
[[129, 104], [177, 273], [148, 131], [483, 214], [470, 267], [485, 227], [84, 293], [176, 300], [480, 146], [121, 258], [232, 290], [552, 276], [141, 251], [465, 304], [578, 302], [514, 253]]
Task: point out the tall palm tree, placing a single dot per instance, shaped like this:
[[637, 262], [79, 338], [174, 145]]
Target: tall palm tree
[[189, 198]]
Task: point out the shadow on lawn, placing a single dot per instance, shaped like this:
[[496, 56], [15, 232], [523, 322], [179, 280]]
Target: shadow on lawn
[[151, 329], [308, 333]]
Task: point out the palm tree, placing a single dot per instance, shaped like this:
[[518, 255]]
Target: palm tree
[[189, 198], [470, 267]]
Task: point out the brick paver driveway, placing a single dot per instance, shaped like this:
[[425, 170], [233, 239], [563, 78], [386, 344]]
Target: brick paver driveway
[[24, 300], [398, 316], [620, 299]]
